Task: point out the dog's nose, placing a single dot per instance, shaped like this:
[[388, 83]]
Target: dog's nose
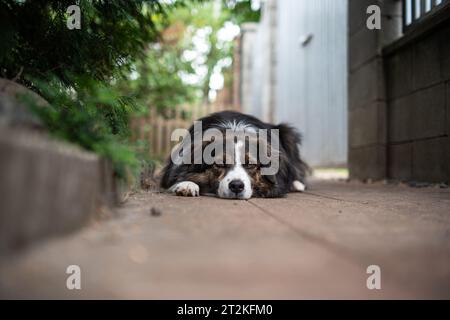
[[236, 186]]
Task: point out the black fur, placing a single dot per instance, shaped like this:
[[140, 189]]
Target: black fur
[[292, 167]]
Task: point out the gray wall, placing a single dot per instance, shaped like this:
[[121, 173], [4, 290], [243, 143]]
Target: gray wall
[[311, 86], [398, 96], [367, 98], [303, 84]]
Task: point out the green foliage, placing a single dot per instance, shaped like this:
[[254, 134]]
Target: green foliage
[[35, 37], [155, 80], [90, 114], [208, 16], [241, 11]]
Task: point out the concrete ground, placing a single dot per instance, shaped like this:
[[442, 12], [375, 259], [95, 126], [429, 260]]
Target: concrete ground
[[312, 245]]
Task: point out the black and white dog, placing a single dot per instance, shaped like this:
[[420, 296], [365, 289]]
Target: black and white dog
[[273, 169]]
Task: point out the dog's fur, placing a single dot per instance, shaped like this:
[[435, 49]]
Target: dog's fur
[[197, 179]]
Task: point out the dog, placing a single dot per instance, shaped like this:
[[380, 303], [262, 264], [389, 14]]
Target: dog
[[237, 173]]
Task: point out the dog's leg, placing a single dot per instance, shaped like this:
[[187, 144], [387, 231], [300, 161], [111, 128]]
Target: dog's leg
[[185, 189], [298, 186]]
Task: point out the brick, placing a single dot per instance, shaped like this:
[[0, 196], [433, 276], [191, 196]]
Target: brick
[[447, 159], [448, 108], [430, 160], [417, 116], [356, 14], [357, 10], [367, 162], [391, 27], [364, 45], [399, 119], [428, 113], [392, 8], [399, 74], [367, 125], [426, 62], [445, 53], [366, 84], [400, 161]]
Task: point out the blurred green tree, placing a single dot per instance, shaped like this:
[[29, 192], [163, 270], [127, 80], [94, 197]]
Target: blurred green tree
[[213, 25], [36, 41]]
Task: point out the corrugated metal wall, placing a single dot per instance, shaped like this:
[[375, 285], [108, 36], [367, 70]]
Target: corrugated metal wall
[[298, 73], [311, 76]]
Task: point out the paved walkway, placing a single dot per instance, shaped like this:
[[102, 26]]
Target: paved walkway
[[312, 245]]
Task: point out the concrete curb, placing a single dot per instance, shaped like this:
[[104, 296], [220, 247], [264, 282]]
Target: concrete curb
[[47, 187]]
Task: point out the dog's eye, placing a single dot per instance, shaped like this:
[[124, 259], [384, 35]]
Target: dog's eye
[[250, 166]]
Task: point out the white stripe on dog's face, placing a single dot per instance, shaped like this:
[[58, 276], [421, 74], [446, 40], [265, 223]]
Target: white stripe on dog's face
[[237, 173]]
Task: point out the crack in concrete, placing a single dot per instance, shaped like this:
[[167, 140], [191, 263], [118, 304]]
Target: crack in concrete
[[334, 248]]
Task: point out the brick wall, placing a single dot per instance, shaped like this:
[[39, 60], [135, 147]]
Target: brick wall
[[398, 97], [418, 86], [367, 97]]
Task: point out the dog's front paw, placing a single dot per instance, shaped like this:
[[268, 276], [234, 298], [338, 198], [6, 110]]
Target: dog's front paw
[[186, 189], [298, 186]]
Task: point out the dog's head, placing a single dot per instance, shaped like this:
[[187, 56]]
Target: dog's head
[[236, 171]]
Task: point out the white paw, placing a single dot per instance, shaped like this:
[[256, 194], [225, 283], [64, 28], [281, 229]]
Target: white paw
[[298, 186], [186, 189]]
